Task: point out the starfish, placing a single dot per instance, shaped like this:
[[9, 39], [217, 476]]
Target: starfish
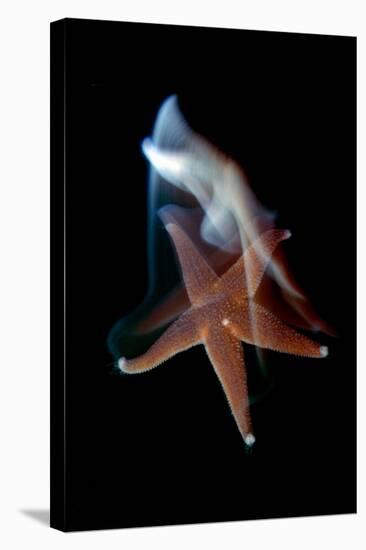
[[223, 313]]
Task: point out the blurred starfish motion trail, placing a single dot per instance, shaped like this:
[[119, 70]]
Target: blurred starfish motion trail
[[235, 285]]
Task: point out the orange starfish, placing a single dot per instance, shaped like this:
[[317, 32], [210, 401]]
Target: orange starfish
[[222, 314]]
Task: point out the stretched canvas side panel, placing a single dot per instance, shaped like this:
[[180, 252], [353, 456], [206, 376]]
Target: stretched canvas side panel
[[58, 354]]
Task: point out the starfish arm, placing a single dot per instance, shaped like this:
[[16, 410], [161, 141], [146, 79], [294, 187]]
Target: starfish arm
[[261, 328], [249, 269], [179, 336], [227, 357], [198, 276]]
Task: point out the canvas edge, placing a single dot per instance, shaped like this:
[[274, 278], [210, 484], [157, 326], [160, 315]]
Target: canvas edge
[[58, 278]]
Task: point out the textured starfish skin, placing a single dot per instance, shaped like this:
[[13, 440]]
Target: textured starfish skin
[[222, 314]]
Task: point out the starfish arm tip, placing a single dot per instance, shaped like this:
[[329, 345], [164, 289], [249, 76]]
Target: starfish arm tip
[[249, 440], [122, 364], [169, 227], [323, 351], [287, 234]]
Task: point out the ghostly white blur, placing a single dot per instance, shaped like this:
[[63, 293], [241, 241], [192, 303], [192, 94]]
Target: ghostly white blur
[[232, 218]]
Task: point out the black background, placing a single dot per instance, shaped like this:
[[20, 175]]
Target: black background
[[163, 448]]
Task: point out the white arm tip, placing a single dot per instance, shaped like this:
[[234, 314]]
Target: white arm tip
[[121, 363], [249, 440], [323, 351]]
